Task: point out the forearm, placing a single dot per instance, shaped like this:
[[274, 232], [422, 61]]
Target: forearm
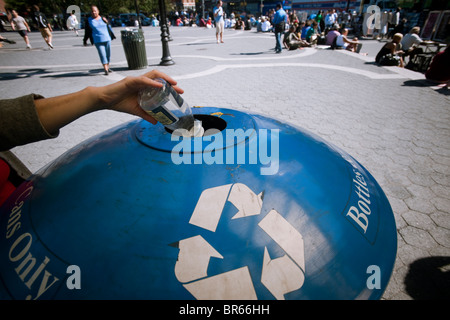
[[54, 113]]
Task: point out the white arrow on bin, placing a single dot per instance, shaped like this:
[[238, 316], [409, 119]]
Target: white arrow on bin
[[280, 276]]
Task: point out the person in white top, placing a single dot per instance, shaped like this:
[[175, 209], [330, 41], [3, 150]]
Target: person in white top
[[410, 43], [343, 42], [18, 23], [265, 25], [72, 23]]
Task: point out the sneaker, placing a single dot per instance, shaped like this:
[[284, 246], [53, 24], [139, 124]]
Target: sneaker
[[28, 46], [110, 70], [50, 45]]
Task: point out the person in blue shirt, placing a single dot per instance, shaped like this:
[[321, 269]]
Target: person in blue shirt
[[279, 22], [305, 30], [101, 37]]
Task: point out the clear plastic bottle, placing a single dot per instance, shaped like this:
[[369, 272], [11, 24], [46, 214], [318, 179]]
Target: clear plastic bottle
[[167, 107]]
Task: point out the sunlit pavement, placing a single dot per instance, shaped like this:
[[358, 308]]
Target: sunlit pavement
[[391, 120]]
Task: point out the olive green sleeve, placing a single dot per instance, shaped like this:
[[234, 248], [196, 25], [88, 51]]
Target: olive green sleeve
[[19, 122]]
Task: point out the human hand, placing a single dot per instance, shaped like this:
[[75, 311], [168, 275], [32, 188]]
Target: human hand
[[123, 95]]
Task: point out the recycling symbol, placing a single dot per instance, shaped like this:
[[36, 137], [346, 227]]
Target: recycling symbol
[[280, 276]]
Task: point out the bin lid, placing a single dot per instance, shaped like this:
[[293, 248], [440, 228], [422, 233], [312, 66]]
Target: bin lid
[[239, 125]]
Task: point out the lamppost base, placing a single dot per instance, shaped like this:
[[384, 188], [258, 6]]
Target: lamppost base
[[166, 62]]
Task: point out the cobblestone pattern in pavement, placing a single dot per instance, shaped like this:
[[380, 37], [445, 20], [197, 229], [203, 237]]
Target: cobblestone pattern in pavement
[[392, 121]]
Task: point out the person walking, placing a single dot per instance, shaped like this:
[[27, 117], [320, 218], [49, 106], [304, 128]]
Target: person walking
[[72, 22], [220, 22], [18, 23], [102, 37], [42, 24], [279, 22]]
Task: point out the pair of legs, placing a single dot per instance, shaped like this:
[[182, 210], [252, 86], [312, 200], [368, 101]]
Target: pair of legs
[[75, 30], [278, 42], [297, 44], [354, 47], [104, 52], [412, 52], [219, 31], [24, 35], [47, 35]]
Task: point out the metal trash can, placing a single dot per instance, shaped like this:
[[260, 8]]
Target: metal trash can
[[134, 46]]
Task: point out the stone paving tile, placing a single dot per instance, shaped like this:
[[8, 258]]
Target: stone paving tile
[[392, 122]]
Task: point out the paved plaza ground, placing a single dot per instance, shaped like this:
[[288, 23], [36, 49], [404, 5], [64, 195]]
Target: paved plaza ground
[[395, 123]]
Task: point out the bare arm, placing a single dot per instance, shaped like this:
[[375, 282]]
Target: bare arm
[[56, 112], [26, 25], [350, 41], [393, 47]]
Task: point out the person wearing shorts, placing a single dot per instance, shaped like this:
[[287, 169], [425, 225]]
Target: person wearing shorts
[[44, 27], [219, 20], [18, 23]]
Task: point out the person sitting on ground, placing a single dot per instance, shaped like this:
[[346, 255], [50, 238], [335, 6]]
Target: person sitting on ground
[[343, 42], [209, 23], [299, 26], [239, 24], [332, 34], [201, 22], [305, 29], [439, 70], [265, 25], [313, 33], [292, 41], [391, 54], [410, 43]]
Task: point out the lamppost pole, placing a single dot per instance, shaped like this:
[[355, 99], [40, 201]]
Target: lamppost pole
[[137, 13], [166, 59]]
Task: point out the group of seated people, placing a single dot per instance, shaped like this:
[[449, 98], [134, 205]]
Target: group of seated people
[[306, 34], [300, 35], [338, 39], [400, 48], [396, 51]]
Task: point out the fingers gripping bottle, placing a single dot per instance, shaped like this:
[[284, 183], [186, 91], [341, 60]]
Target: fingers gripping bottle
[[168, 107]]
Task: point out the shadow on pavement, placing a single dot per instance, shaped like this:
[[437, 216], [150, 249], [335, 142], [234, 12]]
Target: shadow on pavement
[[21, 74], [429, 279], [426, 83], [43, 73]]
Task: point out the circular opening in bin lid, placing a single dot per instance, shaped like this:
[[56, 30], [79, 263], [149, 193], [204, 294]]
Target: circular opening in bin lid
[[229, 126], [211, 124]]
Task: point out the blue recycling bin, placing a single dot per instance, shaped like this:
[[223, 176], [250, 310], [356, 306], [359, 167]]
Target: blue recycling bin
[[254, 209]]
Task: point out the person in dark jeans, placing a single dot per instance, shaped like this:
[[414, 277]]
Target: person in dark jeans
[[279, 21]]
